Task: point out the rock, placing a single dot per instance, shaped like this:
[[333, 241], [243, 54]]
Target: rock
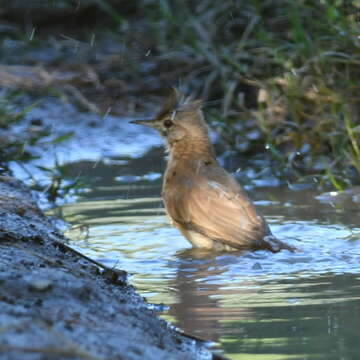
[[349, 198], [40, 285], [257, 266]]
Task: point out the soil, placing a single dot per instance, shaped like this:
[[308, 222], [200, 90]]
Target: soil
[[57, 304]]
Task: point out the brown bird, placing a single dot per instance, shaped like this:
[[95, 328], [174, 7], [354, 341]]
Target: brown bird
[[204, 202]]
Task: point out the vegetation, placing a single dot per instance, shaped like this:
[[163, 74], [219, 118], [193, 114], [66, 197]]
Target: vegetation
[[289, 69], [11, 145], [280, 79]]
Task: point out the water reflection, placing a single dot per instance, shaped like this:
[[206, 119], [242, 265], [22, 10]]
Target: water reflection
[[284, 318], [254, 306]]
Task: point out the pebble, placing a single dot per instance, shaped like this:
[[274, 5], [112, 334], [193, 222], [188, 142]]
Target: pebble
[[40, 285]]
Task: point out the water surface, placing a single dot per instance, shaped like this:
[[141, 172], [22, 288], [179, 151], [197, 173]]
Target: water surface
[[255, 306]]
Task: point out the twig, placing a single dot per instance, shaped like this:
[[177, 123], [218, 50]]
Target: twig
[[81, 99]]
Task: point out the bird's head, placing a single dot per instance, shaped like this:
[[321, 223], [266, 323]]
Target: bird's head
[[179, 118]]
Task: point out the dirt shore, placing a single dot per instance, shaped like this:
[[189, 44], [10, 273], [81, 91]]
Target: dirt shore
[[56, 304]]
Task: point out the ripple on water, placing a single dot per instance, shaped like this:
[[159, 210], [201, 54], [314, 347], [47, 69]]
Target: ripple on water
[[303, 305]]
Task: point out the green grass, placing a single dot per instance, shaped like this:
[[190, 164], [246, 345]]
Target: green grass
[[280, 78], [291, 68], [12, 147]]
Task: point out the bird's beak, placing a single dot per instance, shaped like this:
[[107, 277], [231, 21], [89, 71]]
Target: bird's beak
[[147, 122]]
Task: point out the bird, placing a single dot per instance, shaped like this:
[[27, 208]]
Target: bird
[[203, 201]]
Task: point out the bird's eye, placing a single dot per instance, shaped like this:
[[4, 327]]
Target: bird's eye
[[168, 123]]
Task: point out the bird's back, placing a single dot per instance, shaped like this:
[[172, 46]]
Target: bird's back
[[207, 203]]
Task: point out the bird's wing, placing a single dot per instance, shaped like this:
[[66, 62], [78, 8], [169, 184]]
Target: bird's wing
[[218, 210]]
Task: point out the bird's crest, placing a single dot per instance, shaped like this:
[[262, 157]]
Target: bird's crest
[[176, 101]]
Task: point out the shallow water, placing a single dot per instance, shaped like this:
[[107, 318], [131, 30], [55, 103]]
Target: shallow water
[[253, 306]]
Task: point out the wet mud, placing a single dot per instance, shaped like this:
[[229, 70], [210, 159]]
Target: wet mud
[[57, 304]]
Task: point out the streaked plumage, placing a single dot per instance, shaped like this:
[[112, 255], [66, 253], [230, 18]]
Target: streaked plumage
[[204, 202]]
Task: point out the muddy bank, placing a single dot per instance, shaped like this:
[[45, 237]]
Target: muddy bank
[[56, 304]]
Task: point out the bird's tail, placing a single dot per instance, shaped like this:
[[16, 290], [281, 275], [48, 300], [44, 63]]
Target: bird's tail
[[271, 243]]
